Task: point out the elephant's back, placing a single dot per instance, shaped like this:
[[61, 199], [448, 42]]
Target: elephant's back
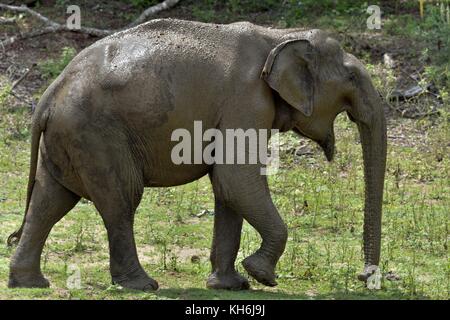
[[148, 77], [169, 59]]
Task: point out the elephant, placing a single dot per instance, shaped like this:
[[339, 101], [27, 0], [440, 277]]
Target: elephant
[[102, 131]]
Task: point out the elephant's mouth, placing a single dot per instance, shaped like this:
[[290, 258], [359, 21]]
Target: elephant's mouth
[[327, 146]]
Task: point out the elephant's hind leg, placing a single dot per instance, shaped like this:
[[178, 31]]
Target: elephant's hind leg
[[50, 201], [116, 190]]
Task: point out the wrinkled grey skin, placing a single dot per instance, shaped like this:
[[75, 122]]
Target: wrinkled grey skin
[[103, 130]]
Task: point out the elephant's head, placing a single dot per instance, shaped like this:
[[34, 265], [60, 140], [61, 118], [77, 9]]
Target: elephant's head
[[318, 80]]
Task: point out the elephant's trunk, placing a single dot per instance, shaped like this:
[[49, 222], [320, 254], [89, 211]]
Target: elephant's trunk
[[372, 130]]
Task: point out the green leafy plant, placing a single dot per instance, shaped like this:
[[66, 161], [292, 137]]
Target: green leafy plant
[[4, 94], [383, 78], [51, 68]]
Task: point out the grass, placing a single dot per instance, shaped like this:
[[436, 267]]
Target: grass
[[321, 202], [51, 68]]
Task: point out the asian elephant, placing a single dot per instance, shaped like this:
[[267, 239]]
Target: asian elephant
[[102, 131]]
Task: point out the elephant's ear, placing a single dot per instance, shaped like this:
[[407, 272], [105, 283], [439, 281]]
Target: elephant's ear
[[289, 71]]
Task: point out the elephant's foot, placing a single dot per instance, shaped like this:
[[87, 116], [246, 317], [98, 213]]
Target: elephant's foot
[[228, 281], [22, 279], [136, 280], [260, 269]]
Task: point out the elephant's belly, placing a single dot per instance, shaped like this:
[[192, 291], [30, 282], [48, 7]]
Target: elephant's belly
[[174, 175], [159, 174]]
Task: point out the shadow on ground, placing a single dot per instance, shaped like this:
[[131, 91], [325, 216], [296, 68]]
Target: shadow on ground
[[207, 294]]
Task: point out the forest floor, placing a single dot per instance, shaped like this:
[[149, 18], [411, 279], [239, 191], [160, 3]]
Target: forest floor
[[321, 202]]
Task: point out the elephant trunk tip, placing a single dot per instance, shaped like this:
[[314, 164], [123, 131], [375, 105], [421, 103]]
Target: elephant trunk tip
[[328, 146]]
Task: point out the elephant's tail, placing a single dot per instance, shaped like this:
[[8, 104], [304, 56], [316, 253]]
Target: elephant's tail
[[39, 122]]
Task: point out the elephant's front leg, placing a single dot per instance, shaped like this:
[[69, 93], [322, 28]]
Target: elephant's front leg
[[243, 189], [225, 246]]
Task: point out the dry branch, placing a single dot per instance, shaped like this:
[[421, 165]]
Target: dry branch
[[165, 5], [52, 26], [25, 9], [4, 20], [22, 77], [27, 35]]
